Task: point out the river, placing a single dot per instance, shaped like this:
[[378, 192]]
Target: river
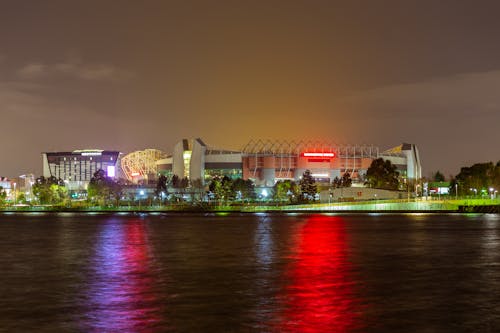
[[72, 272]]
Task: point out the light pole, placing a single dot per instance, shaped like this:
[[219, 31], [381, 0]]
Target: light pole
[[456, 191], [330, 195], [15, 194]]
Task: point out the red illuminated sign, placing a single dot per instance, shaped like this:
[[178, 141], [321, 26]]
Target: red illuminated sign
[[318, 154]]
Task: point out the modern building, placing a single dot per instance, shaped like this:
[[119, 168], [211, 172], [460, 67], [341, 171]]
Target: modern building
[[76, 168], [193, 159], [406, 158], [267, 161]]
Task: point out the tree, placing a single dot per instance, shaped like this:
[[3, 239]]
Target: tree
[[49, 190], [382, 174], [346, 180], [3, 196], [438, 177], [243, 189], [286, 190], [227, 189], [161, 186], [336, 183], [215, 188], [308, 188], [103, 188], [478, 178], [175, 181]]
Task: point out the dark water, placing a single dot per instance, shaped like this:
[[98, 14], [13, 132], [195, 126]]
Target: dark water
[[249, 273]]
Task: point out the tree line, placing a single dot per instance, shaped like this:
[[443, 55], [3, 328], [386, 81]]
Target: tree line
[[477, 179]]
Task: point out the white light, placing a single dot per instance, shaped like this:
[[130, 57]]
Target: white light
[[319, 154], [141, 192], [111, 171], [264, 193], [320, 175]]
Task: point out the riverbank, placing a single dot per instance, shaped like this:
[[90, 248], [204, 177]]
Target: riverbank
[[389, 206]]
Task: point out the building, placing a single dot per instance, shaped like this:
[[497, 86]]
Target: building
[[193, 159], [7, 185], [76, 168], [267, 161], [406, 158]]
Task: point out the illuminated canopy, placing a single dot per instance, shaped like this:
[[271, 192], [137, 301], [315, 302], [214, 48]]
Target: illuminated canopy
[[140, 164]]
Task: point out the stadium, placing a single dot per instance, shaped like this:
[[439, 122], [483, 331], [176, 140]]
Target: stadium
[[263, 161]]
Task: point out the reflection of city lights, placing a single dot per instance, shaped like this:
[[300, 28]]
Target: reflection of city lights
[[320, 296], [121, 296]]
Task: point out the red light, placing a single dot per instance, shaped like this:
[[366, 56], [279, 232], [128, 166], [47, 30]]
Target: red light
[[318, 155]]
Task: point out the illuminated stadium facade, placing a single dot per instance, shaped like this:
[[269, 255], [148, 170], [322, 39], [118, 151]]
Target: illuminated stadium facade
[[267, 161], [263, 161]]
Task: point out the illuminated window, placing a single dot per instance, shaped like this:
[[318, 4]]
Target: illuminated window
[[187, 160]]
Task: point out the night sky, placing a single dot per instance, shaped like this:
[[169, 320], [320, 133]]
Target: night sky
[[129, 75]]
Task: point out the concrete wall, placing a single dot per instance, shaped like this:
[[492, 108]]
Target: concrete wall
[[178, 160], [361, 193], [197, 163]]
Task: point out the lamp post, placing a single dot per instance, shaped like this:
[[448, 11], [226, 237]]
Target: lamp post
[[330, 195], [456, 191]]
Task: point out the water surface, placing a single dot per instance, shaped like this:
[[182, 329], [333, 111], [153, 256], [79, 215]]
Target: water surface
[[249, 273]]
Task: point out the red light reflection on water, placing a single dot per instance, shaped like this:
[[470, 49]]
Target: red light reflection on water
[[320, 296], [121, 296]]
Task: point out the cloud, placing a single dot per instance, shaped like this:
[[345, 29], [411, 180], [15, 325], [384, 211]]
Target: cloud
[[34, 119], [464, 95], [75, 69], [32, 71], [453, 119], [92, 72]]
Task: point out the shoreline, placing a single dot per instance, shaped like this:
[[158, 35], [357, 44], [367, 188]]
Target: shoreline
[[361, 207], [475, 210]]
